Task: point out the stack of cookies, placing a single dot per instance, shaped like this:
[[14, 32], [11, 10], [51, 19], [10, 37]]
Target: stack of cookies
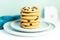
[[30, 17]]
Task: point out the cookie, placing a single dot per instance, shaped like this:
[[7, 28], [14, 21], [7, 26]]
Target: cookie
[[30, 17], [30, 9], [30, 25], [36, 20], [29, 13]]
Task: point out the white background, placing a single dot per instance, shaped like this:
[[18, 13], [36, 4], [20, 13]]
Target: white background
[[12, 7]]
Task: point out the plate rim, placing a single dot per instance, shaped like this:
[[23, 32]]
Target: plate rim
[[20, 33], [27, 29]]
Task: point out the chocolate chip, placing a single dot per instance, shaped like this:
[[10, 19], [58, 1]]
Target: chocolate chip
[[32, 10], [28, 20], [25, 25], [23, 15], [37, 17], [31, 24], [22, 22], [27, 12], [25, 9]]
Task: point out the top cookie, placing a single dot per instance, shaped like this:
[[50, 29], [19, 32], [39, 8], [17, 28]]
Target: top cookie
[[30, 9]]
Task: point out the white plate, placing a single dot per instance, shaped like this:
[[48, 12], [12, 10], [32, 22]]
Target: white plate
[[9, 30], [43, 27]]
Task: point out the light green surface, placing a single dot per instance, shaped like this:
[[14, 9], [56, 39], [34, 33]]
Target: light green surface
[[12, 7]]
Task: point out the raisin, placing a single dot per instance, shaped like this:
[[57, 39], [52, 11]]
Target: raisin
[[31, 24]]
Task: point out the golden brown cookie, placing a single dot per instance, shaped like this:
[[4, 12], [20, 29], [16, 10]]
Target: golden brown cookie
[[36, 20], [30, 25], [30, 17], [30, 9], [30, 13]]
